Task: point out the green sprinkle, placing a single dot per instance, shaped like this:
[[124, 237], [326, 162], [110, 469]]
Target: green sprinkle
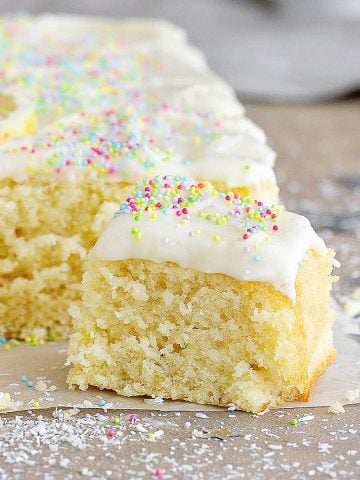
[[52, 336], [294, 421]]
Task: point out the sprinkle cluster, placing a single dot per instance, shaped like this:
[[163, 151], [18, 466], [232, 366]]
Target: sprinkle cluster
[[132, 139], [182, 197], [135, 128]]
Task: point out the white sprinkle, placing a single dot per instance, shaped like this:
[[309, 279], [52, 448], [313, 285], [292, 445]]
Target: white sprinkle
[[201, 415], [275, 447], [306, 418]]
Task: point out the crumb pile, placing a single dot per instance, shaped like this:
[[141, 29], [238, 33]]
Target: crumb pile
[[204, 296], [89, 108]]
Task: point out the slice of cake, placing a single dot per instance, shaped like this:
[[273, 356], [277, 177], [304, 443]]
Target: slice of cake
[[207, 297]]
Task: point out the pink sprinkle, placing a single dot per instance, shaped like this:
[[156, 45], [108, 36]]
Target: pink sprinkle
[[275, 227], [273, 215], [111, 433], [180, 187], [184, 210], [236, 196], [68, 163], [260, 204], [178, 213], [245, 236], [158, 472], [200, 185], [227, 197], [132, 418]]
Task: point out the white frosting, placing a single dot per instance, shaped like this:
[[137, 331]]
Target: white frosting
[[166, 238], [193, 150], [72, 64]]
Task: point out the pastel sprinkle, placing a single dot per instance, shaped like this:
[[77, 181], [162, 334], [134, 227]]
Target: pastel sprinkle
[[101, 402], [294, 421], [36, 404], [116, 420], [132, 418], [158, 472], [179, 195]]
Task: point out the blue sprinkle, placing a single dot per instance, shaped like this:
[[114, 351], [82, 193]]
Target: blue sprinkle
[[101, 402], [24, 378], [30, 383], [257, 258], [3, 340]]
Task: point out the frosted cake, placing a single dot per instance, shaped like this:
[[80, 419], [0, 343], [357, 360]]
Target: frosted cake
[[82, 119], [203, 296]]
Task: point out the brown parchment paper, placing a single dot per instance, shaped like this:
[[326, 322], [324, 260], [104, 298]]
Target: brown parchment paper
[[45, 364]]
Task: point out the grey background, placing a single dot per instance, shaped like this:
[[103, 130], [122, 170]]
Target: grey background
[[299, 50]]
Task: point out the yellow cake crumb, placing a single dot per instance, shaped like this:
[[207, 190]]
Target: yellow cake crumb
[[147, 328]]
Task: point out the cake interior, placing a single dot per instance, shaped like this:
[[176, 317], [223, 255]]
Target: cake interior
[[148, 328], [46, 229]]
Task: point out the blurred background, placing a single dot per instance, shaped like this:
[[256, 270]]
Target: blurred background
[[266, 49], [296, 67]]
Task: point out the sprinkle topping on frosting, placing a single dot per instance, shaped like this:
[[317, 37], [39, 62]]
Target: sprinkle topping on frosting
[[177, 219], [183, 197]]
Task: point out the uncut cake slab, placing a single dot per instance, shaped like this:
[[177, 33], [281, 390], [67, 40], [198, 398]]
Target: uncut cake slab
[[84, 117]]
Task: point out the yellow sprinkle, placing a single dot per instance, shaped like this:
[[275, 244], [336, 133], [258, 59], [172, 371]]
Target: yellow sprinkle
[[197, 140], [214, 193], [28, 339], [216, 238], [256, 247], [152, 436], [153, 216], [138, 236], [197, 232], [36, 404], [267, 239], [6, 346]]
